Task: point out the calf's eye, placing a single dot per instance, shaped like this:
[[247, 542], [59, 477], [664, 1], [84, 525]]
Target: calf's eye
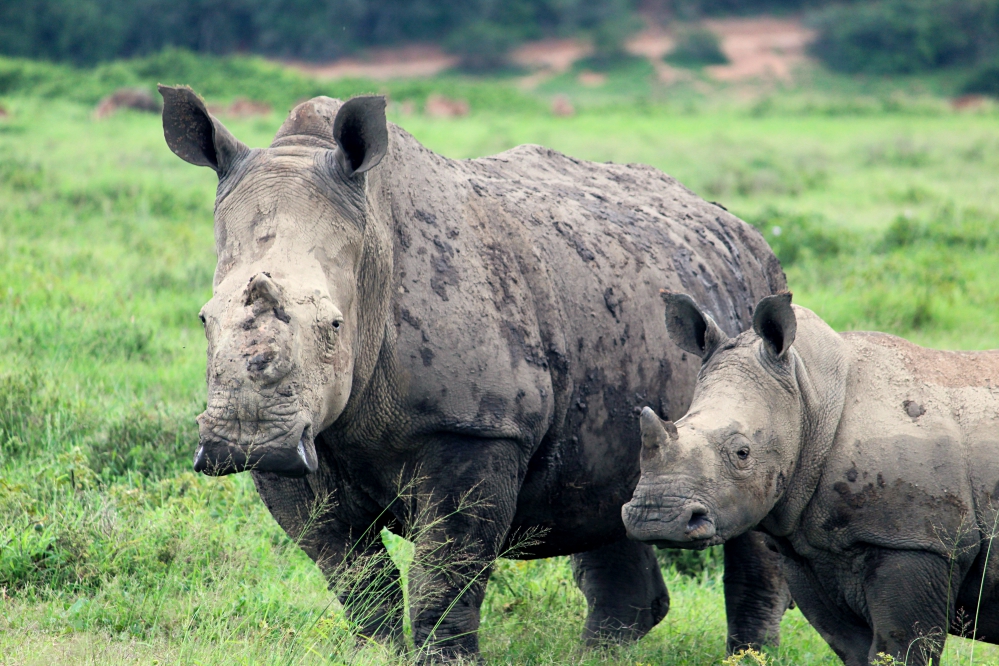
[[336, 325]]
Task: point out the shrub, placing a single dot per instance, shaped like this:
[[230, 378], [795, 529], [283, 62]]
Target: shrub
[[148, 444], [902, 36], [984, 80], [697, 47], [793, 235], [694, 563], [482, 46], [947, 228]]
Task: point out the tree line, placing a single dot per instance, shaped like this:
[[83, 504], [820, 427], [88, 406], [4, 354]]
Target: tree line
[[875, 36]]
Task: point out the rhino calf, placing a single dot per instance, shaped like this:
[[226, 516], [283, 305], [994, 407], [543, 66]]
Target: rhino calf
[[871, 462]]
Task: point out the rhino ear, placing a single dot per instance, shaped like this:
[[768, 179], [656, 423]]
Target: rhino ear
[[361, 132], [194, 135], [775, 323], [690, 329]]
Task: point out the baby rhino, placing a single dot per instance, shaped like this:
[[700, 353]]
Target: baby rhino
[[872, 463]]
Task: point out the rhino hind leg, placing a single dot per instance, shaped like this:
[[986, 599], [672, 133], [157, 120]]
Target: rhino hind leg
[[910, 602], [756, 593], [624, 589]]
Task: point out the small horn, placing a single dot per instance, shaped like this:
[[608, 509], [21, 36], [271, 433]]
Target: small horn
[[262, 288], [655, 430]]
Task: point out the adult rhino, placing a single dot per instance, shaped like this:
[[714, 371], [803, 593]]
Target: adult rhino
[[479, 328], [873, 464]]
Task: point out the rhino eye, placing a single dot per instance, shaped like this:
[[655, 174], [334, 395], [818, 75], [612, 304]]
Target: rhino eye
[[743, 453], [201, 316], [336, 325]]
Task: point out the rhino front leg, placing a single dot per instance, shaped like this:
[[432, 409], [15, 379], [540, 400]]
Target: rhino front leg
[[354, 560], [847, 633], [624, 589], [908, 601], [464, 509], [756, 594]]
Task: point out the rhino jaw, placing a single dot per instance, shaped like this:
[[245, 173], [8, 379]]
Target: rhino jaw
[[216, 458]]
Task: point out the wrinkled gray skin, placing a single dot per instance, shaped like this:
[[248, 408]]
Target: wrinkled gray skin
[[872, 463], [385, 317]]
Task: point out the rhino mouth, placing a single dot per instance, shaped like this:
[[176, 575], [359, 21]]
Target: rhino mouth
[[292, 456], [689, 525]]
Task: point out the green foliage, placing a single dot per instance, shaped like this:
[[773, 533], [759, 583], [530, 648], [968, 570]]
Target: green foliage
[[796, 236], [152, 445], [983, 80], [482, 46], [902, 36], [90, 31], [697, 47], [704, 564], [225, 78]]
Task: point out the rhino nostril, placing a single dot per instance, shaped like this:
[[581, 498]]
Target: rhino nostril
[[698, 520]]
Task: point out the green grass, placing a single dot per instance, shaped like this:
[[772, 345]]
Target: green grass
[[112, 552]]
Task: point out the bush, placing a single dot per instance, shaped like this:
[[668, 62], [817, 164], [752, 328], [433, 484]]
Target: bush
[[697, 47], [947, 228], [903, 36], [694, 563], [90, 31], [482, 46], [148, 444], [983, 81], [794, 235]]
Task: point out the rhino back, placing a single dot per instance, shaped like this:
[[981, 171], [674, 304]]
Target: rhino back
[[915, 463], [526, 305]]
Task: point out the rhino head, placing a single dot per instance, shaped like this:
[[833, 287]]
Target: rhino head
[[719, 470], [284, 321]]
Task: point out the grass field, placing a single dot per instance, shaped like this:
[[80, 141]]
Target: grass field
[[885, 214]]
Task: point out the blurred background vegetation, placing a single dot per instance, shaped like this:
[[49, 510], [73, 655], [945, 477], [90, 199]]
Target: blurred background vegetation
[[885, 36]]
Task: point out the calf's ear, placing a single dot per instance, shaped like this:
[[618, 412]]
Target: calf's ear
[[194, 135], [775, 323], [690, 329], [361, 133]]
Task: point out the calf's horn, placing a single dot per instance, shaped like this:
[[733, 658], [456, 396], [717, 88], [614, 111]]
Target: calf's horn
[[655, 430]]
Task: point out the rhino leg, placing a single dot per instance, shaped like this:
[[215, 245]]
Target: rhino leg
[[847, 633], [624, 589], [464, 508], [354, 560], [756, 594], [909, 601]]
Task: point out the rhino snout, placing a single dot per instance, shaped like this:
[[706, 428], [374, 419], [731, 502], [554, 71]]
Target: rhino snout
[[292, 457], [688, 524]]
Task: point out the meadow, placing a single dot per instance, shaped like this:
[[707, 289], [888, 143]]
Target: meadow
[[879, 199]]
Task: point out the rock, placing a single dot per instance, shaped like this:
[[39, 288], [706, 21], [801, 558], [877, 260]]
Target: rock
[[438, 106], [968, 102], [127, 98], [561, 106]]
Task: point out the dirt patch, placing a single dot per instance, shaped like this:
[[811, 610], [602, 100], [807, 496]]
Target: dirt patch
[[760, 48], [241, 107], [757, 48], [414, 61]]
